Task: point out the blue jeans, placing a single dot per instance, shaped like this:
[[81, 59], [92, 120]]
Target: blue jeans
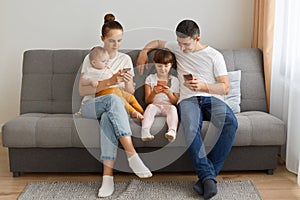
[[192, 112], [109, 110]]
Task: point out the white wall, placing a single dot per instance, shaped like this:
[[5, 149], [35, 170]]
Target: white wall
[[56, 24]]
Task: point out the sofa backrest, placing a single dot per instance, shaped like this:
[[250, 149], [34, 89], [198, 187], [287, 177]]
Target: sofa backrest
[[49, 76]]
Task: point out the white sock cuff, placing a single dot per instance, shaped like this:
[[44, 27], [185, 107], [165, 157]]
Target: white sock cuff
[[134, 156], [107, 177]]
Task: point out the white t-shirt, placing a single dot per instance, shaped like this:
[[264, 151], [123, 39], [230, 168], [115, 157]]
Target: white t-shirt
[[119, 62], [98, 74], [151, 80], [206, 65]]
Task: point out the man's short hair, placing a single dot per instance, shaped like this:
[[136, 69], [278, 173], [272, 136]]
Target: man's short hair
[[187, 28]]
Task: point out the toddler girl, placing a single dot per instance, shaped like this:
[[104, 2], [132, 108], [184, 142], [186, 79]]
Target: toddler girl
[[161, 93]]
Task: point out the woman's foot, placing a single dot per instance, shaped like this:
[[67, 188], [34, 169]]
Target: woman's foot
[[171, 135], [107, 187], [146, 136], [138, 167], [137, 115]]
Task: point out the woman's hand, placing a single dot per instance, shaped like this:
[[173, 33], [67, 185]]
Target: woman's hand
[[116, 78], [142, 62], [127, 77]]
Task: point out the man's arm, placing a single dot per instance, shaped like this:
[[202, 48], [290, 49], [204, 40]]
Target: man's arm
[[142, 60]]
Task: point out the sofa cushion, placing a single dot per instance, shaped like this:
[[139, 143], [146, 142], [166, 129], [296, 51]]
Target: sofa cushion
[[41, 130], [62, 130], [259, 128]]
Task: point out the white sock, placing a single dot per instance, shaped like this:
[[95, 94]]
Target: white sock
[[107, 187], [171, 135], [146, 136], [138, 167]]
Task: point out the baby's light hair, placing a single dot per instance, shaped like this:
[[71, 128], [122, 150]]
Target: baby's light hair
[[95, 52]]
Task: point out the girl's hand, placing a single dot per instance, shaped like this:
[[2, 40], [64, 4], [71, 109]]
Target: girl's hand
[[157, 89], [166, 90]]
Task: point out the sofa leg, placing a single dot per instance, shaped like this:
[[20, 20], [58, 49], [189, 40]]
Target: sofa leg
[[16, 174], [270, 171]]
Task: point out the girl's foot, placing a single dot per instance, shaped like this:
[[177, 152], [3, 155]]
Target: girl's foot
[[107, 187], [138, 167], [171, 135], [146, 136]]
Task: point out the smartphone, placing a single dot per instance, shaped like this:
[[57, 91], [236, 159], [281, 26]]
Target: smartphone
[[188, 77], [162, 83], [124, 70]]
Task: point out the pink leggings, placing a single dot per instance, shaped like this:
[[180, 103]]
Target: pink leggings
[[152, 110]]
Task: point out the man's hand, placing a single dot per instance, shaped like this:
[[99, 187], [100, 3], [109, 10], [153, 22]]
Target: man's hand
[[142, 62], [195, 84]]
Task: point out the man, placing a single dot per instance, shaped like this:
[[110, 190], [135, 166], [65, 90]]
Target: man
[[203, 80]]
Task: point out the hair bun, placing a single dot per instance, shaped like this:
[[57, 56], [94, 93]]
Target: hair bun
[[109, 17]]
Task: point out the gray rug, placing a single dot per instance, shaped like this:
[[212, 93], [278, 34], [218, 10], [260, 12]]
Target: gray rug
[[137, 189]]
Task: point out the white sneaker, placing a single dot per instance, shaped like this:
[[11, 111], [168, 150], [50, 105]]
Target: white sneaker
[[171, 135]]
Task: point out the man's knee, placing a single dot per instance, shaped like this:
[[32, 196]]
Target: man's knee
[[232, 120]]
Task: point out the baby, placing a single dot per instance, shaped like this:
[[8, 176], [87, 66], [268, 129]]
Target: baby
[[99, 70]]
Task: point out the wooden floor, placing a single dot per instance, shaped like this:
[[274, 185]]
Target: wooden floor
[[282, 185]]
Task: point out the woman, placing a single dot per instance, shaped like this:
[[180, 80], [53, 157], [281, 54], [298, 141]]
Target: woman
[[110, 110]]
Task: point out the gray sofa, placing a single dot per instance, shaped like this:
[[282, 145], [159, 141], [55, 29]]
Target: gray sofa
[[48, 137]]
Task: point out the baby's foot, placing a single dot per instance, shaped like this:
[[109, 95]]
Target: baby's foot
[[137, 115], [138, 167], [146, 136], [171, 135], [107, 187]]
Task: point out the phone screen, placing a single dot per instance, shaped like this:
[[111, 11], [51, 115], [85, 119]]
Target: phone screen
[[161, 82], [126, 70]]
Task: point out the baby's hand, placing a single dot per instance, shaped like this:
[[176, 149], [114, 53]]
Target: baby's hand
[[94, 84]]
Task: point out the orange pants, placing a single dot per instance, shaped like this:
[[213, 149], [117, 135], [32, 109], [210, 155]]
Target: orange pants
[[131, 104]]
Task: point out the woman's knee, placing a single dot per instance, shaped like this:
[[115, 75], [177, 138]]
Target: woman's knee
[[115, 99]]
